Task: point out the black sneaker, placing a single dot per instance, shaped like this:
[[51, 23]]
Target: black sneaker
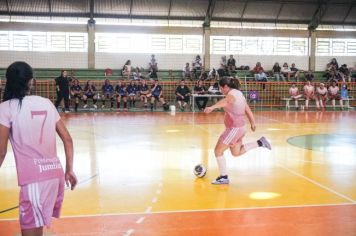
[[221, 180]]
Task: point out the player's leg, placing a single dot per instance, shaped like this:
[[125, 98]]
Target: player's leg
[[221, 161]]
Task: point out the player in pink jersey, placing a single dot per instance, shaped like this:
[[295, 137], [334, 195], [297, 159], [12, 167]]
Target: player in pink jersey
[[309, 94], [294, 94], [31, 124], [334, 94], [322, 95], [236, 108]]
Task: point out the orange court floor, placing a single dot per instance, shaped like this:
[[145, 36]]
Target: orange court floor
[[135, 173]]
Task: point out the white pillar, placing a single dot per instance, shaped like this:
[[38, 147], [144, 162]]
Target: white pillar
[[206, 47], [312, 49], [91, 44]]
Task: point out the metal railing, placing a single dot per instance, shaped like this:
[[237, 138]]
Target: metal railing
[[269, 94]]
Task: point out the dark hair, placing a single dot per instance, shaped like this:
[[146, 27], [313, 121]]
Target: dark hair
[[231, 82], [18, 76]]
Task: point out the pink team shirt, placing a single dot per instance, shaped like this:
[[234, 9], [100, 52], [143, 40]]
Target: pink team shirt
[[333, 90], [33, 138], [235, 112], [321, 91], [293, 91], [308, 89]]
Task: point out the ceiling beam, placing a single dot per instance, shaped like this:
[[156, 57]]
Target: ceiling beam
[[348, 12], [91, 10], [50, 7], [130, 13], [169, 9], [318, 14], [345, 2], [279, 12], [8, 7], [243, 11], [199, 18], [209, 13]]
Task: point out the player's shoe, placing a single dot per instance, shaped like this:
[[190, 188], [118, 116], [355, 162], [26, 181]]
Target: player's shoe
[[265, 143], [85, 106], [221, 180], [102, 106], [95, 106]]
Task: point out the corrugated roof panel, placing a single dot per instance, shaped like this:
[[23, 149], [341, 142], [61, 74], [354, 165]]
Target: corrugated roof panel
[[335, 13], [3, 6], [150, 7], [189, 8], [70, 6], [228, 9], [302, 12], [259, 10], [28, 6], [120, 7], [351, 19]]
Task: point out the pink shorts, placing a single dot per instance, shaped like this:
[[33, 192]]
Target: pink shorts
[[232, 135], [39, 202]]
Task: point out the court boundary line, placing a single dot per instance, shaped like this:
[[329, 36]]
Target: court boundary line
[[203, 210], [316, 183]]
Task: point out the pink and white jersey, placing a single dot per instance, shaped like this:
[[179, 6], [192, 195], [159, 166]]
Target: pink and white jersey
[[235, 112], [308, 89], [333, 90], [293, 91], [33, 138], [321, 91]]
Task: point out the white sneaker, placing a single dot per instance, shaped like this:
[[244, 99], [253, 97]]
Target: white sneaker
[[85, 106], [102, 106], [95, 106], [221, 180], [265, 143]]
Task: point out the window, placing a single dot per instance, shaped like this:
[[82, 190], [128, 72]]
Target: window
[[147, 43], [259, 45], [335, 47], [43, 41]]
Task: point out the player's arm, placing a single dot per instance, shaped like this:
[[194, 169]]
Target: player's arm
[[63, 133], [250, 117], [4, 137], [220, 104]]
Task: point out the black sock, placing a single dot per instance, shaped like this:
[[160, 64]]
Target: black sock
[[260, 144]]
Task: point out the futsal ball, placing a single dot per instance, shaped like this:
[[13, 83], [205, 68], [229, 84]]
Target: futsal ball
[[199, 171]]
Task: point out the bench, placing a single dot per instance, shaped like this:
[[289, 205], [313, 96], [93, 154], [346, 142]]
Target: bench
[[287, 100], [192, 98], [347, 102]]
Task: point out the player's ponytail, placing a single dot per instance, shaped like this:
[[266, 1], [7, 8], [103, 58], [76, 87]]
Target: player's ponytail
[[18, 76], [231, 82]]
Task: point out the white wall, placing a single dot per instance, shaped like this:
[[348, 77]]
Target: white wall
[[267, 62], [46, 59], [165, 61], [321, 61]]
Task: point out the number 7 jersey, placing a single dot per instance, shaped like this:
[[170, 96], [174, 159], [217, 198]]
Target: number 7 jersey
[[33, 138]]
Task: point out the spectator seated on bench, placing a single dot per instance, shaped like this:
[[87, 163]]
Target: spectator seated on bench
[[200, 89], [76, 93], [183, 95], [295, 95]]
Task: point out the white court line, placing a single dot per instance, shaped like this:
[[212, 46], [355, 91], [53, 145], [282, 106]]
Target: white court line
[[128, 232], [140, 220], [148, 211], [316, 183]]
